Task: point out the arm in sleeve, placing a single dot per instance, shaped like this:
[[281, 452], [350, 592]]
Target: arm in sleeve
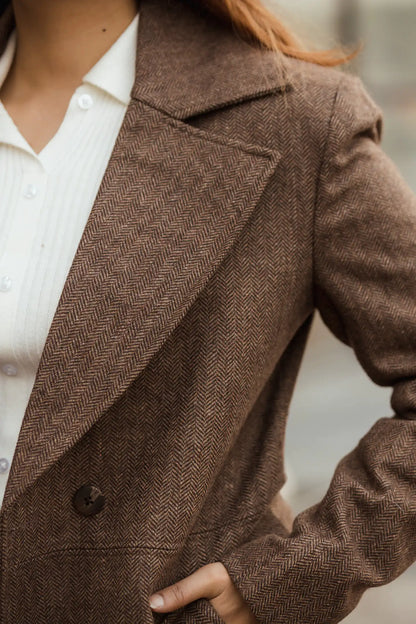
[[363, 532]]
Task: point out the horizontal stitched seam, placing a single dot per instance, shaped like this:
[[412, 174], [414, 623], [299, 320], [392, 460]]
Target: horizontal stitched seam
[[81, 551]]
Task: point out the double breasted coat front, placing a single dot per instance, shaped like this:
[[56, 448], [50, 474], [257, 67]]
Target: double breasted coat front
[[241, 197]]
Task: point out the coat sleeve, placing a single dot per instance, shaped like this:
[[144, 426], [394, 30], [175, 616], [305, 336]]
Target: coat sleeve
[[362, 533]]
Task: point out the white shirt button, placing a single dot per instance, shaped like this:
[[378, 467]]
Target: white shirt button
[[85, 101], [9, 369], [4, 464], [5, 283], [31, 191]]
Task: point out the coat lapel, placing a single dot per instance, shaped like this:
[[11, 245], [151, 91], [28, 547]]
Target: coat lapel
[[171, 203]]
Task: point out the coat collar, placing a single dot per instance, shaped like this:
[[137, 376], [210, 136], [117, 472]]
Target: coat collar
[[161, 223], [189, 62]]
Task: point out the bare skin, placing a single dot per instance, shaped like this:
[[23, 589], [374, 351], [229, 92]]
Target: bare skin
[[57, 43]]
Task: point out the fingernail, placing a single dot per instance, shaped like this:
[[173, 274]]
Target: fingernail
[[156, 601]]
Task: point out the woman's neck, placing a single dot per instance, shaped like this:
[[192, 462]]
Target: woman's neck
[[58, 42]]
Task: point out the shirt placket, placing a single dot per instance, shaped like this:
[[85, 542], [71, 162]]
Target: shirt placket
[[15, 257]]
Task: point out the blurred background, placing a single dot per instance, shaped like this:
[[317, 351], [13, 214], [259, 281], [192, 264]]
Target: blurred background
[[335, 403]]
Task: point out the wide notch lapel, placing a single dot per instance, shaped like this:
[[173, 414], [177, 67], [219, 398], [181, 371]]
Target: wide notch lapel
[[171, 204]]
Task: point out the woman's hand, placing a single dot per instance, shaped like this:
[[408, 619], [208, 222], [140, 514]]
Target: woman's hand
[[213, 582]]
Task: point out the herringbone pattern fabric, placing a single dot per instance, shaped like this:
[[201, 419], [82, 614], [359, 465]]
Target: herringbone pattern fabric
[[239, 199]]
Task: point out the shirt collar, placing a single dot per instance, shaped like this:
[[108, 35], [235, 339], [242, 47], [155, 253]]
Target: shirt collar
[[6, 58], [9, 132], [114, 72]]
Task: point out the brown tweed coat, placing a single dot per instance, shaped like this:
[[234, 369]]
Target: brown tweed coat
[[239, 199]]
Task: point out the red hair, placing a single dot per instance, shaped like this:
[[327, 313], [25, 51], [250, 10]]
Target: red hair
[[255, 22]]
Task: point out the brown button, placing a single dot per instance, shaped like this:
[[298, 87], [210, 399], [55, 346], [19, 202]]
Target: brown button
[[88, 500]]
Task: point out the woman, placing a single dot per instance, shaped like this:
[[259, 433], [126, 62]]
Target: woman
[[182, 187]]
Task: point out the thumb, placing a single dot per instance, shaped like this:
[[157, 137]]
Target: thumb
[[207, 582]]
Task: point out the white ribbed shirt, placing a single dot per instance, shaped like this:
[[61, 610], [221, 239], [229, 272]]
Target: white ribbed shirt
[[45, 202]]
